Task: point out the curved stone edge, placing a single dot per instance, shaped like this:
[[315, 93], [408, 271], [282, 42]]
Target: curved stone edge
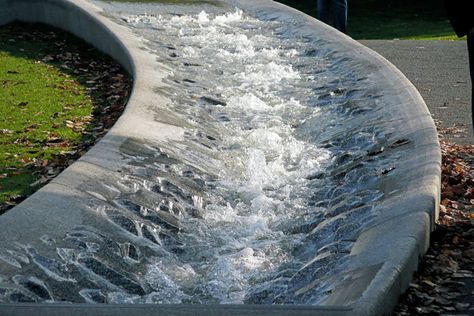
[[378, 272], [62, 203], [386, 254]]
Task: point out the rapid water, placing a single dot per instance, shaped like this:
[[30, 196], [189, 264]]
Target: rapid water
[[262, 198], [236, 77]]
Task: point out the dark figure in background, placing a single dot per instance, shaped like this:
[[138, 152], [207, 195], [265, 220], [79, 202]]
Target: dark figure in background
[[334, 13], [461, 15]]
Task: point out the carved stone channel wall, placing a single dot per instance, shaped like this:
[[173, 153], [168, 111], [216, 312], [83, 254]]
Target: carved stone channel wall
[[384, 254]]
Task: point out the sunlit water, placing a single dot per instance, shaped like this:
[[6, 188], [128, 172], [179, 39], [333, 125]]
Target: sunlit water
[[261, 200]]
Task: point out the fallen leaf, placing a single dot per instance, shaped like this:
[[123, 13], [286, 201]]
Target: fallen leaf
[[48, 58], [22, 104], [427, 282], [69, 123]]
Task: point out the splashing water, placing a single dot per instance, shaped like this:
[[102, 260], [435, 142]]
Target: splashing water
[[246, 208]]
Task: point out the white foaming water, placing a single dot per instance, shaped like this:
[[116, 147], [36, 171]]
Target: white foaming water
[[248, 101], [236, 242], [244, 207], [266, 75]]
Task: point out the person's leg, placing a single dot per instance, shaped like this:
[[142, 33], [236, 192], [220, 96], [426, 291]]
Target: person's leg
[[324, 14], [470, 49], [340, 14]]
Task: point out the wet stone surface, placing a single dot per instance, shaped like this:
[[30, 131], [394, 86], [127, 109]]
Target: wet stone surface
[[276, 174]]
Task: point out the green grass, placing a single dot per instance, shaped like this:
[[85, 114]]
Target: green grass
[[49, 104], [38, 100], [391, 19], [17, 185]]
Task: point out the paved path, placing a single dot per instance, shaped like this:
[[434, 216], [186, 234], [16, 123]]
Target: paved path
[[440, 71]]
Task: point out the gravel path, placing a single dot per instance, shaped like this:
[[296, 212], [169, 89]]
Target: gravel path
[[440, 71]]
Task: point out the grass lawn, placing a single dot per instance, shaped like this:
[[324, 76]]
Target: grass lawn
[[391, 19], [49, 105]]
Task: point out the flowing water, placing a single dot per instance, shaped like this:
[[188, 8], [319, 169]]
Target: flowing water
[[261, 199]]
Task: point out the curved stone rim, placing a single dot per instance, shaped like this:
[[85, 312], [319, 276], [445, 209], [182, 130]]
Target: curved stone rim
[[386, 254], [377, 273]]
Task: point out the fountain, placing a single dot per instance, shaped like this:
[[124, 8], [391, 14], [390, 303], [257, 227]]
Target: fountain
[[265, 164]]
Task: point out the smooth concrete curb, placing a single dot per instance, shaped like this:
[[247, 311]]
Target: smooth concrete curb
[[384, 255]]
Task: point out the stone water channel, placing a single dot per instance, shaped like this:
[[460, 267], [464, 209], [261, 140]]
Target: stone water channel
[[260, 200]]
